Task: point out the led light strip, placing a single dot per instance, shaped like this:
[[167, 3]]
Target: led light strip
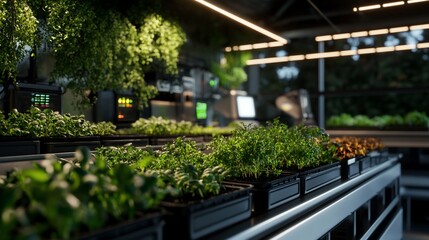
[[333, 54], [254, 46], [371, 32], [242, 21], [386, 5]]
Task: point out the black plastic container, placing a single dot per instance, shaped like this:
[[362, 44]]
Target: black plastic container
[[15, 146], [268, 194], [121, 140], [365, 164], [68, 144], [349, 168], [319, 177], [148, 227], [198, 219], [378, 157]]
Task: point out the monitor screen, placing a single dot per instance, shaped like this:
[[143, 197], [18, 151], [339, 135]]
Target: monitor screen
[[201, 110], [246, 107]]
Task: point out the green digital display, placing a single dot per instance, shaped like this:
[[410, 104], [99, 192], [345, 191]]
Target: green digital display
[[201, 110], [40, 100]]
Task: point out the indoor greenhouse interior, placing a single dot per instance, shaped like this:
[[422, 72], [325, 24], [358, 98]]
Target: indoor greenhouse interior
[[214, 119]]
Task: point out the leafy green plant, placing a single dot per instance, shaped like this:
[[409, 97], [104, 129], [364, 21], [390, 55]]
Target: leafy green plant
[[254, 152], [231, 72], [48, 123], [63, 200], [413, 118], [114, 53], [159, 126], [180, 165], [18, 29]]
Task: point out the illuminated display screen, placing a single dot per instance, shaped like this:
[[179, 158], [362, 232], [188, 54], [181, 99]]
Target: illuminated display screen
[[201, 110], [40, 100], [246, 107], [126, 109], [125, 102]]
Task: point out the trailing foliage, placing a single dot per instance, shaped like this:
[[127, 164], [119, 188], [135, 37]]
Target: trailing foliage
[[102, 50], [48, 123], [63, 200], [17, 30]]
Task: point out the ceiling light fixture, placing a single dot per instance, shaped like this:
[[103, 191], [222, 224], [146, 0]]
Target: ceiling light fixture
[[243, 21], [371, 32], [253, 46], [386, 5], [398, 29], [393, 4], [379, 32], [416, 1], [344, 53], [366, 8]]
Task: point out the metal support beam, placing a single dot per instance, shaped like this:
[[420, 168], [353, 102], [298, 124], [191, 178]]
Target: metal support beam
[[321, 87]]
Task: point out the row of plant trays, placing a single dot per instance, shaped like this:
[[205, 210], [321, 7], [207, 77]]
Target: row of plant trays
[[185, 220], [238, 202], [353, 167], [13, 146]]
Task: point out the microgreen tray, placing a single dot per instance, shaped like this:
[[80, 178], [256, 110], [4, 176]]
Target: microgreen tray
[[14, 146], [272, 192], [198, 219], [318, 177]]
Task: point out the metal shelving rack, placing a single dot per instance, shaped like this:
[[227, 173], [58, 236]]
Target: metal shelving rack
[[364, 207]]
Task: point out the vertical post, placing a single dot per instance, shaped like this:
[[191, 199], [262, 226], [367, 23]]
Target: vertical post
[[321, 77]]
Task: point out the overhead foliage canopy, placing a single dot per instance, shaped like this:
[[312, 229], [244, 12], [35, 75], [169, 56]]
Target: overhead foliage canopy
[[97, 47]]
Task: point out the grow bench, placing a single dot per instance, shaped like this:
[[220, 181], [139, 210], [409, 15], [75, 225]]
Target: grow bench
[[364, 207]]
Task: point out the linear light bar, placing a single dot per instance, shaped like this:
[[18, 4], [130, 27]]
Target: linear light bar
[[379, 32], [242, 21], [322, 55], [385, 49], [344, 53], [253, 46], [416, 1], [419, 27], [398, 29], [393, 4], [359, 34], [348, 53], [323, 38], [373, 32], [386, 5], [366, 51], [341, 36]]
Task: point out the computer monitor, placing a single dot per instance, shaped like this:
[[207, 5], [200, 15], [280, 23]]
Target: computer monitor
[[245, 107]]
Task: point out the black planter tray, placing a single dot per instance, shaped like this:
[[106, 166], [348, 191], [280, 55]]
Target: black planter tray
[[121, 140], [162, 140], [365, 163], [350, 168], [270, 193], [15, 146], [148, 227], [68, 144], [318, 177], [378, 157], [198, 219]]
